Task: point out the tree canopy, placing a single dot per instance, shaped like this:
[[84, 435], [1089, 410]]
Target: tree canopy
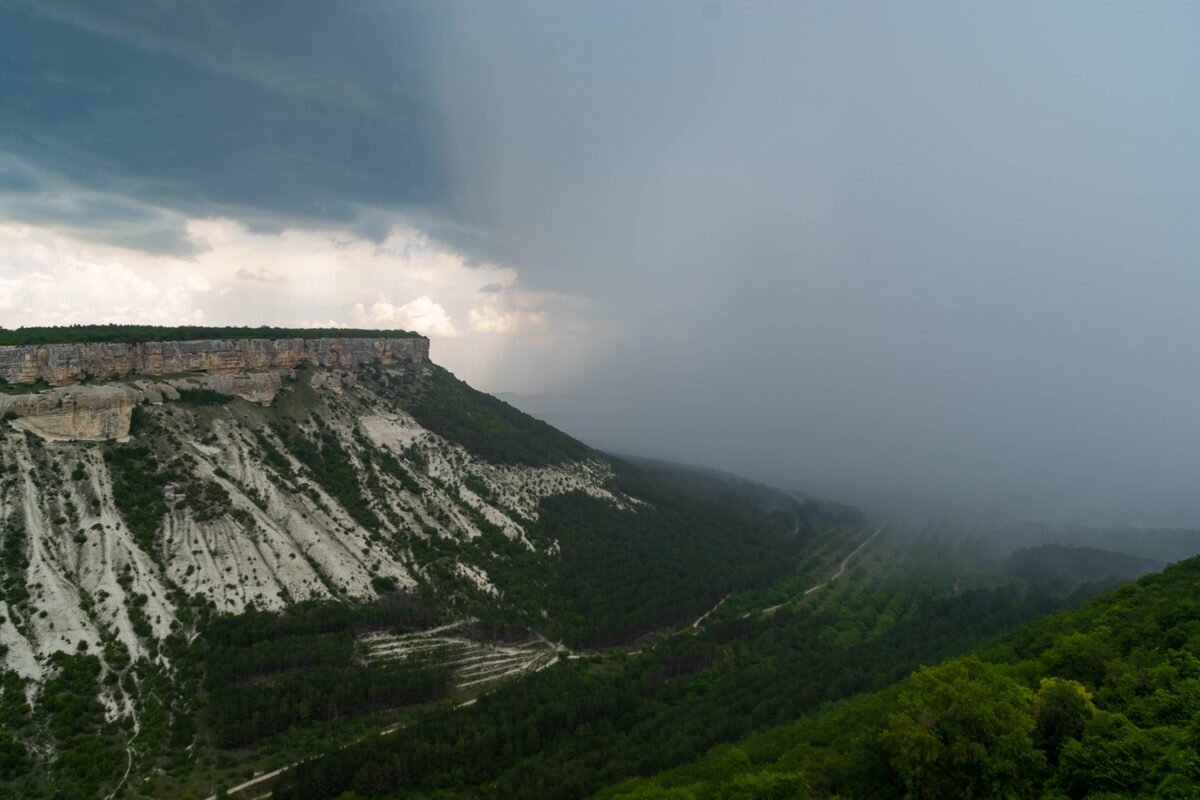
[[131, 334]]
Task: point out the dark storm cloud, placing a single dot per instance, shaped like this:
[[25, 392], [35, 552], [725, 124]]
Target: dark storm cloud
[[932, 257], [17, 178], [36, 197], [236, 108]]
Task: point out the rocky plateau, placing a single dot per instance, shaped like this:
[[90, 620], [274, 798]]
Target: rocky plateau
[[76, 407]]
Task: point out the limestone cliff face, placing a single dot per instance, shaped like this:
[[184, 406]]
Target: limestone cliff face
[[62, 364], [257, 387], [252, 369], [271, 541], [97, 412], [84, 412]]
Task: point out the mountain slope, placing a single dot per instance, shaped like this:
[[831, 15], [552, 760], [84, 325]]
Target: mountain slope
[[335, 489], [246, 505], [277, 479]]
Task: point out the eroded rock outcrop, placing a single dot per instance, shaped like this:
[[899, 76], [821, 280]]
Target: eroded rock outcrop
[[77, 412], [252, 369], [62, 364], [257, 387], [105, 411]]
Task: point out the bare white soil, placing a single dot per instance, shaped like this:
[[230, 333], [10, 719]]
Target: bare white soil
[[280, 540], [475, 662]]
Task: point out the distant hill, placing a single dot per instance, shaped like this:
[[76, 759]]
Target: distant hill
[[1063, 567], [1158, 544]]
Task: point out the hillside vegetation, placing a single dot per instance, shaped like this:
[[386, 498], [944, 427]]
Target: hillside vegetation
[[1103, 702], [487, 426], [592, 721]]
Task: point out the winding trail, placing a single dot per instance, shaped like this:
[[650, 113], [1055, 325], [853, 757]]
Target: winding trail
[[704, 616], [266, 776], [836, 575], [696, 624], [128, 767], [846, 561]]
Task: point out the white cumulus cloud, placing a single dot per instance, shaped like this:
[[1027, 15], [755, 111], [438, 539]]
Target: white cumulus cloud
[[482, 322], [47, 279], [422, 315]]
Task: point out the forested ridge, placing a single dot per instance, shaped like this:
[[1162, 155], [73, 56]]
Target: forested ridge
[[1066, 567]]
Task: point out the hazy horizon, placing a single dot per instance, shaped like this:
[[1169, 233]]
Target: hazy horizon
[[933, 259]]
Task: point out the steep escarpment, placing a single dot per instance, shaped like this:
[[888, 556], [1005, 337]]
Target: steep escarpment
[[265, 488], [105, 411], [89, 412], [331, 492], [59, 364], [275, 540], [253, 369]]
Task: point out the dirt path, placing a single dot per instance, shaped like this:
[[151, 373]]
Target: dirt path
[[702, 617], [266, 776], [128, 767], [836, 575]]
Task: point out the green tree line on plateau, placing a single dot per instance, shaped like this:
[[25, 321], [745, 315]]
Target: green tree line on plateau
[[132, 334]]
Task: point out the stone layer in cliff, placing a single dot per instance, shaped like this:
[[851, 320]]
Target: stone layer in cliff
[[97, 412], [81, 412], [61, 364]]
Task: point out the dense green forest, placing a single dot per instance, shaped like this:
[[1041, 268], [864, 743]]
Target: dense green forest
[[130, 334], [1103, 702], [266, 673], [620, 573], [570, 731], [676, 485], [263, 685]]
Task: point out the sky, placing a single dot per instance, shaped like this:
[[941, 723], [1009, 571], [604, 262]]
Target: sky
[[937, 259]]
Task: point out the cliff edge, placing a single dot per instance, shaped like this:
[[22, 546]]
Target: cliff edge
[[252, 369], [63, 364]]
